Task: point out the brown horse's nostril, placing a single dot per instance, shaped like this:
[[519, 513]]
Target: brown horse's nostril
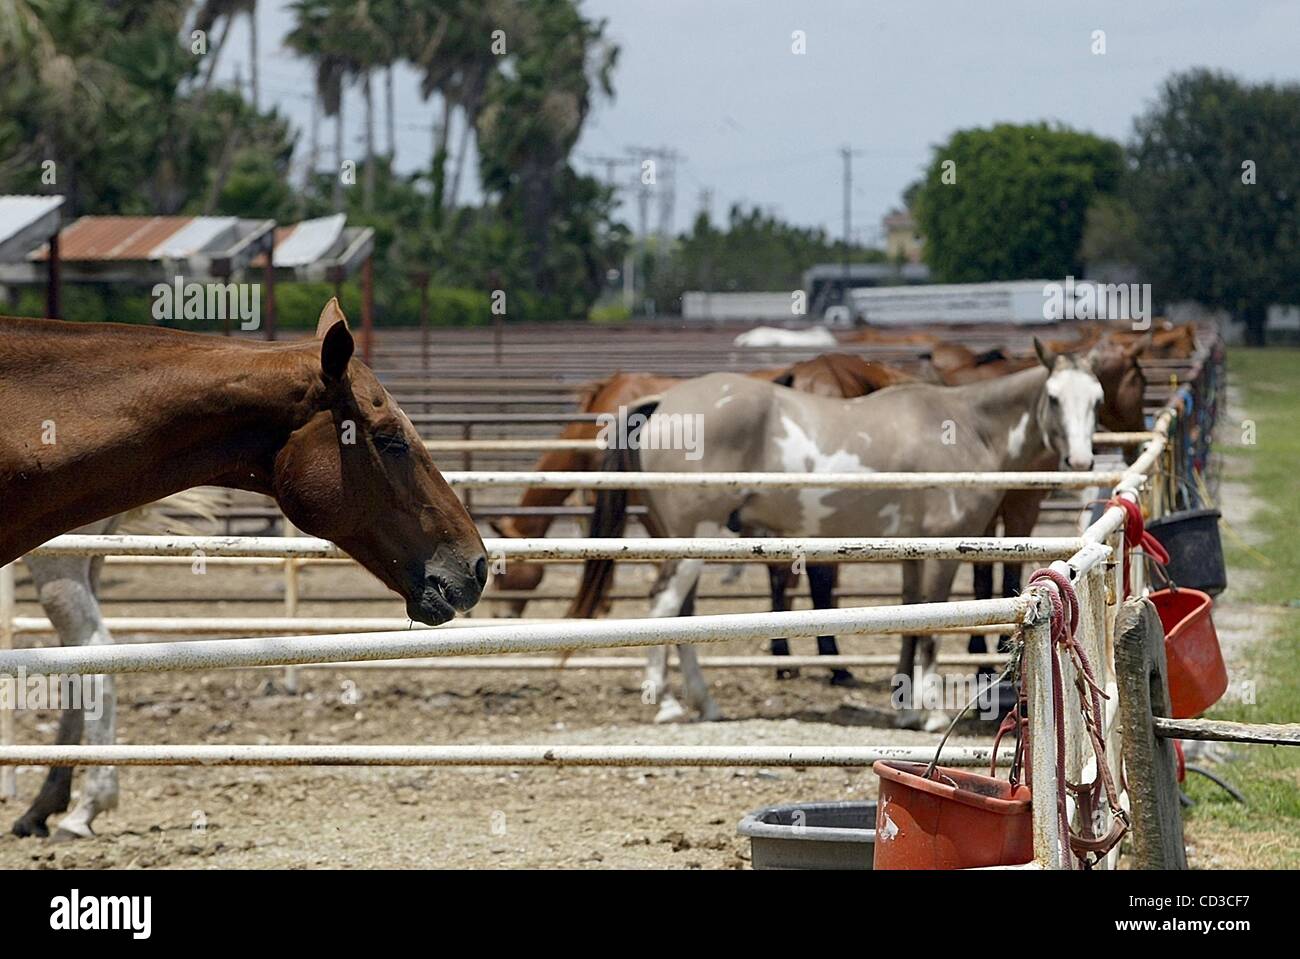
[[481, 571]]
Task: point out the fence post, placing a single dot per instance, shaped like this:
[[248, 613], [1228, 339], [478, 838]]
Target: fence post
[[1149, 762], [1042, 734], [8, 777], [291, 676]]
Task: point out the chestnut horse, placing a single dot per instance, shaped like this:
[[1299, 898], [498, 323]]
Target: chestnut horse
[[100, 418], [103, 418]]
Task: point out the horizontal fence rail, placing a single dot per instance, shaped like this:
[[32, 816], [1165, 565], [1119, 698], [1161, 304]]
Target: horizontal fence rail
[[525, 445], [487, 640], [765, 661], [489, 755], [721, 549], [279, 626], [529, 479]]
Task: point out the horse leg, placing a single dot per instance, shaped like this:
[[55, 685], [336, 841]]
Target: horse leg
[[982, 578], [668, 601], [99, 784], [936, 585], [779, 575], [697, 690], [65, 587], [821, 587], [56, 791], [902, 698]]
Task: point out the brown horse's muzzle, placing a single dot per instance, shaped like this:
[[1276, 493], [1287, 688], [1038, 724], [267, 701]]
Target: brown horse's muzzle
[[443, 585]]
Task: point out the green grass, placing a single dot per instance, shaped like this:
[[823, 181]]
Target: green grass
[[1267, 832]]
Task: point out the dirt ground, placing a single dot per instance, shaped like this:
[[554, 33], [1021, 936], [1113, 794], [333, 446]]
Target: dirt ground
[[410, 817]]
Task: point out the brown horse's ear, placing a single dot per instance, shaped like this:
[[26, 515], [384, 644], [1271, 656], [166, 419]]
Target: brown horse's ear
[[333, 313], [1046, 355], [336, 341]]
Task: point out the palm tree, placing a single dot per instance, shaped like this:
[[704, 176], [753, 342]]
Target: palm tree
[[224, 12], [321, 34], [452, 50], [52, 50]]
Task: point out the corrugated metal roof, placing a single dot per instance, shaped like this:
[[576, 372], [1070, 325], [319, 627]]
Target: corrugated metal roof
[[103, 238], [197, 235], [308, 241], [18, 212]]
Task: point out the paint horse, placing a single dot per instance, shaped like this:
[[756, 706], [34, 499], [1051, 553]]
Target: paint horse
[[1001, 424], [103, 418], [831, 374], [1115, 364]]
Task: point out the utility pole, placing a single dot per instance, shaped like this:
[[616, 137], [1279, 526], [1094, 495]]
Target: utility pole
[[611, 165], [847, 153], [663, 188]]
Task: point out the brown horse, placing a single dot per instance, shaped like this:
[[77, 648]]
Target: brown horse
[[101, 418]]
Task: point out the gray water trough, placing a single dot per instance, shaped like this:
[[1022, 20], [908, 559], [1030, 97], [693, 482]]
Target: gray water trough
[[822, 835]]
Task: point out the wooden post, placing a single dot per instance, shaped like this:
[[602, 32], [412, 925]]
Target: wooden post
[[53, 282], [1149, 762], [8, 780], [367, 309]]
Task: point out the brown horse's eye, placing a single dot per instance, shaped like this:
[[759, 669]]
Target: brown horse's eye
[[392, 444]]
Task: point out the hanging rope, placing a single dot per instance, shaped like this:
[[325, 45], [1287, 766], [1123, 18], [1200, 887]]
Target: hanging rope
[[1064, 625], [1135, 535]]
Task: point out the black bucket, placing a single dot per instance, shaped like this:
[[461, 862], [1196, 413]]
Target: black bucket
[[1195, 549], [820, 835]]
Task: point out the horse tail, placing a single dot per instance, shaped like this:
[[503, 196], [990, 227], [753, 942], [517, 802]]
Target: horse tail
[[608, 519]]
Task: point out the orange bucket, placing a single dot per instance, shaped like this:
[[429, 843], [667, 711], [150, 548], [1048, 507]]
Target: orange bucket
[[1197, 676], [957, 820]]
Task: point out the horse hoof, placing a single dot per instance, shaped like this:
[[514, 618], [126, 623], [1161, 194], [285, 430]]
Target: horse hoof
[[66, 834], [787, 674], [844, 678], [25, 827], [711, 713], [670, 712]]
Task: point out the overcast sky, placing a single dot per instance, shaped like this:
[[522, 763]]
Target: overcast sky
[[717, 81]]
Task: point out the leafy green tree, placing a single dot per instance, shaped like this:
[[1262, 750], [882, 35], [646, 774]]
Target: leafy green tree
[[1216, 191], [1009, 202]]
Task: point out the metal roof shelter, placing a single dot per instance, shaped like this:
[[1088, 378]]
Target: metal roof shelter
[[327, 250], [146, 250], [152, 249], [26, 224]]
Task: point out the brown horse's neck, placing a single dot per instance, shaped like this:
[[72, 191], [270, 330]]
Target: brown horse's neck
[[99, 418]]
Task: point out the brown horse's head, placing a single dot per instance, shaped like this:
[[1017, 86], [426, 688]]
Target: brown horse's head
[[357, 473], [1116, 366]]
